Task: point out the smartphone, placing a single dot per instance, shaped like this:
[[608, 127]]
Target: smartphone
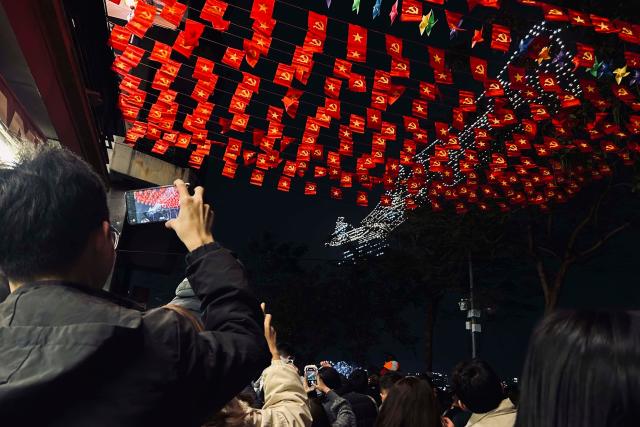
[[311, 375], [148, 205]]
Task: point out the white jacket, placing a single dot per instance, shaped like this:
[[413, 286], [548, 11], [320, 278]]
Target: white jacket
[[285, 403], [503, 416]]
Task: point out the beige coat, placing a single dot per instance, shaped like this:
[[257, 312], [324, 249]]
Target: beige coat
[[503, 416], [285, 403]]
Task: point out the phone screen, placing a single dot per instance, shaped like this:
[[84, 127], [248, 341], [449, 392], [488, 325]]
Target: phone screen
[[311, 376], [149, 205]]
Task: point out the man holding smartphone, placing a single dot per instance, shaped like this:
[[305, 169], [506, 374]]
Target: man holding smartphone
[[73, 355]]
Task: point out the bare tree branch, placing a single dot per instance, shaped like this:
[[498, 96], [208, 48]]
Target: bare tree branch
[[549, 251], [602, 241]]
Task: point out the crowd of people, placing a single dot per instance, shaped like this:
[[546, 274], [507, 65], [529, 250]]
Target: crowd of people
[[72, 354]]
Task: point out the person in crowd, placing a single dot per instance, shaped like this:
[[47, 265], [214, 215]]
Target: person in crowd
[[387, 381], [479, 390], [410, 403], [338, 410], [373, 386], [285, 400], [318, 414], [582, 370], [455, 416], [364, 406], [74, 355], [4, 288]]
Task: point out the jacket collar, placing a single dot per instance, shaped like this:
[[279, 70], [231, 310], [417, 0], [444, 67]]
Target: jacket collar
[[116, 299]]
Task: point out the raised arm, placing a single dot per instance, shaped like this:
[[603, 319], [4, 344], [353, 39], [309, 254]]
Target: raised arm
[[217, 363]]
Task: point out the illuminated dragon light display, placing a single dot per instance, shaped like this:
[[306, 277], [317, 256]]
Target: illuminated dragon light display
[[369, 237]]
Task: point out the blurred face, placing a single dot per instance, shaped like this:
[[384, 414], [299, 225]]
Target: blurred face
[[384, 393]]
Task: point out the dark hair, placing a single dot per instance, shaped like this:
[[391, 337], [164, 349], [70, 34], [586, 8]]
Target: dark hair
[[582, 369], [331, 378], [49, 205], [411, 403], [359, 381], [389, 379], [286, 350], [477, 386]]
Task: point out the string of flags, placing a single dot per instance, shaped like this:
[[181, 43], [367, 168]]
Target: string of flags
[[500, 146]]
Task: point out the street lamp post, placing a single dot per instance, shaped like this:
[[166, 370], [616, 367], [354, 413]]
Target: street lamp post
[[473, 324]]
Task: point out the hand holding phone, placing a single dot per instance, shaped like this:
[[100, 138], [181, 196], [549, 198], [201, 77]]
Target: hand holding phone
[[311, 376], [195, 219]]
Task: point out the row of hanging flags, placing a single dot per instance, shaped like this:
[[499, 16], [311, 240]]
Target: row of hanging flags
[[521, 168]]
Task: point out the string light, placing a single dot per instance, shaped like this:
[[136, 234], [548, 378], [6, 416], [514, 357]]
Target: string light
[[370, 237]]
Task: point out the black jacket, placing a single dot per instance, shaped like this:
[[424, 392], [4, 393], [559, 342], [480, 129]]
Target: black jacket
[[364, 407], [70, 356]]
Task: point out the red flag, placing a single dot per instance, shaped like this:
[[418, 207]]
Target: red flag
[[356, 123], [336, 193], [428, 91], [317, 24], [411, 11], [362, 199], [478, 68], [357, 43], [444, 77], [189, 38], [132, 56], [257, 177], [284, 184], [374, 119], [517, 76], [632, 58], [585, 55], [382, 81], [400, 68], [342, 68], [332, 108], [579, 19], [419, 108], [394, 46], [239, 122], [549, 83], [436, 58], [466, 100], [264, 26], [161, 52], [313, 43], [379, 100], [554, 13], [203, 69], [119, 39], [142, 19], [628, 32], [213, 8], [500, 38], [229, 169], [493, 88], [602, 25], [357, 83], [173, 13], [233, 58], [262, 9], [284, 75], [310, 188], [332, 87], [539, 112]]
